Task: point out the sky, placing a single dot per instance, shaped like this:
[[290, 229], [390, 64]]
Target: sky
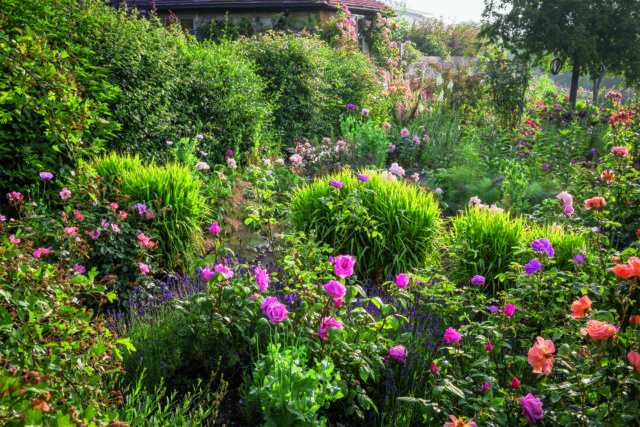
[[451, 10]]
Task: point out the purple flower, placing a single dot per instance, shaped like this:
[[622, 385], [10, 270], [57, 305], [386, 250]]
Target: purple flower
[[493, 308], [351, 107], [365, 111], [438, 190], [79, 268], [364, 178], [391, 148], [543, 245], [579, 259], [531, 408], [532, 267], [199, 137], [46, 175], [141, 208], [336, 183], [477, 280], [169, 142]]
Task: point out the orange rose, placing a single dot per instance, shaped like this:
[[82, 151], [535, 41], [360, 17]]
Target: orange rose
[[599, 330], [634, 358], [607, 176], [595, 202], [541, 356], [579, 307], [634, 264]]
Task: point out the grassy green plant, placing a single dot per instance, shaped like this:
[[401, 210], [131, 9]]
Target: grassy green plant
[[485, 242], [567, 244], [389, 226], [171, 191]]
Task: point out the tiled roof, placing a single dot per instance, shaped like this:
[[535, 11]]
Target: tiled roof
[[356, 5]]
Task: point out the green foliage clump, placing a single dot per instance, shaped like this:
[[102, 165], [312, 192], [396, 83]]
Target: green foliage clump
[[389, 226], [313, 83], [461, 183], [54, 352], [170, 85], [49, 118], [172, 196], [485, 242]]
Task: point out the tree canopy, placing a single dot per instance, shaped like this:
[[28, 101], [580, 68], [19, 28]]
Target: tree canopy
[[584, 34]]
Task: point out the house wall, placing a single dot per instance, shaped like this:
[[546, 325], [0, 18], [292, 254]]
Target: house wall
[[192, 20]]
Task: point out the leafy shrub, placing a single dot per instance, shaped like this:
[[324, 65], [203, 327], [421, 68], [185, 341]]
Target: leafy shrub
[[461, 183], [54, 351], [288, 391], [485, 242], [47, 122], [313, 83], [171, 85], [389, 226], [170, 194]]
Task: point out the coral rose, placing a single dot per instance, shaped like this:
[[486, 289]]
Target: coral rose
[[459, 422], [595, 203], [599, 330], [541, 356], [579, 307]]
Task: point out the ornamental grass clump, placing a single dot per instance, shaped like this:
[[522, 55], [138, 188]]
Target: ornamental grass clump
[[168, 194], [567, 244], [389, 226], [485, 242]]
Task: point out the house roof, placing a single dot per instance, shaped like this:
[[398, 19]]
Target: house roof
[[247, 5]]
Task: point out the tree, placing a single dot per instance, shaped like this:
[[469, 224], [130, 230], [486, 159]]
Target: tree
[[586, 35]]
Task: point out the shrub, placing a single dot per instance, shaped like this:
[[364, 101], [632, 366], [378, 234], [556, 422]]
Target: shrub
[[170, 194], [485, 242], [54, 351], [313, 83], [389, 226], [47, 121], [171, 85]]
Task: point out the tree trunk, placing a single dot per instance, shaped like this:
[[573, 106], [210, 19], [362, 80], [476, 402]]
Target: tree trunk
[[596, 88], [573, 92]]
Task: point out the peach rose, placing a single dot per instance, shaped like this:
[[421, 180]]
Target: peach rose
[[541, 356], [599, 330], [579, 307], [620, 151], [595, 202], [634, 358]]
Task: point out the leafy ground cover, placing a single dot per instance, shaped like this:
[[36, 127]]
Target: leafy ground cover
[[463, 250]]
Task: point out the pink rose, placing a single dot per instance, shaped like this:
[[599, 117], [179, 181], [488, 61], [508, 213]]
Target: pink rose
[[276, 312], [509, 309], [326, 324], [267, 302], [214, 229], [207, 274], [113, 205], [398, 353], [226, 272], [344, 265], [387, 126], [451, 335], [337, 290], [262, 279], [71, 231], [13, 239], [531, 408], [402, 280], [143, 268], [404, 132]]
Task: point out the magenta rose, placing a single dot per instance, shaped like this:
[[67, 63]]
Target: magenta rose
[[207, 274], [215, 228], [262, 279], [276, 312], [226, 272], [343, 265], [402, 280], [337, 290], [451, 335], [509, 309], [267, 302], [326, 324], [531, 408], [398, 353]]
